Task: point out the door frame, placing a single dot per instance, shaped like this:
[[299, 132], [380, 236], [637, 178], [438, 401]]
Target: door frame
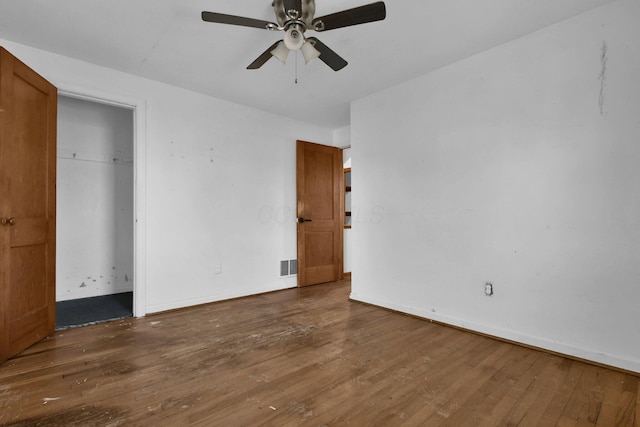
[[139, 108]]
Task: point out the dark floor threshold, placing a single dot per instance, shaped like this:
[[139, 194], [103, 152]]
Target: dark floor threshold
[[87, 311]]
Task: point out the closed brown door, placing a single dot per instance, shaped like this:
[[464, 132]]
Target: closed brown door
[[27, 206], [320, 213]]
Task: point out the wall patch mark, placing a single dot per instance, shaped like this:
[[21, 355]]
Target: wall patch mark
[[603, 75]]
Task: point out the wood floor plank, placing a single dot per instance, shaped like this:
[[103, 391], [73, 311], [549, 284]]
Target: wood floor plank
[[618, 405], [586, 400], [454, 399], [565, 387], [297, 357], [453, 363], [478, 408], [547, 386], [371, 375], [518, 382]]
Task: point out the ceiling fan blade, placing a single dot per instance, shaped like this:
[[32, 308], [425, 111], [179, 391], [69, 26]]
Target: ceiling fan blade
[[328, 56], [358, 15], [221, 18], [293, 4], [262, 59]]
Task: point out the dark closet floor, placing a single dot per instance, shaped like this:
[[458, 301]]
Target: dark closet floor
[[85, 311]]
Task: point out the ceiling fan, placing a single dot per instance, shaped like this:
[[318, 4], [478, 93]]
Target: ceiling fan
[[294, 17]]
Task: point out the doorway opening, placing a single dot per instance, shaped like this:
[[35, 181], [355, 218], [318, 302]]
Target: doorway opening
[[346, 163], [95, 212]]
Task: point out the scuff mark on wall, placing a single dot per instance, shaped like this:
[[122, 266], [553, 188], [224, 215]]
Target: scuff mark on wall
[[603, 76]]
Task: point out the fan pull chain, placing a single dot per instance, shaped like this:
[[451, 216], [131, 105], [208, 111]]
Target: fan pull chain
[[296, 80]]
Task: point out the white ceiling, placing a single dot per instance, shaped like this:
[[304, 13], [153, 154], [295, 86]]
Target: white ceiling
[[166, 40]]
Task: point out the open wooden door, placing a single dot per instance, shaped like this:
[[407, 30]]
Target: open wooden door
[[28, 106], [320, 210]]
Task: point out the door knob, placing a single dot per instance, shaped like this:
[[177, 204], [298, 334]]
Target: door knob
[[303, 220], [7, 221]]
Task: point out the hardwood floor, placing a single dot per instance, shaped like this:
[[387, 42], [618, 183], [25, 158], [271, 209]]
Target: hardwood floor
[[303, 356]]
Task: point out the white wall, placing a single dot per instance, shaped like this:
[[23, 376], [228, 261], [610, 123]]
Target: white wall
[[342, 137], [220, 185], [94, 254], [519, 166]]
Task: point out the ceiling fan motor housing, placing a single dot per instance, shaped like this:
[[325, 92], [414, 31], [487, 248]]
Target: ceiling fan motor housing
[[306, 15]]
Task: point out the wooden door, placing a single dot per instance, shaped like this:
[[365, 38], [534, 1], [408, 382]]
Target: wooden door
[[320, 210], [27, 206]]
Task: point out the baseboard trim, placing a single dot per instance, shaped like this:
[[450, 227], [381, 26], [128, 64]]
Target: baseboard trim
[[624, 366], [186, 303]]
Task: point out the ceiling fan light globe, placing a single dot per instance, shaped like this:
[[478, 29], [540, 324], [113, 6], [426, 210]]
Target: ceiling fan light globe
[[281, 52], [309, 52], [293, 38]]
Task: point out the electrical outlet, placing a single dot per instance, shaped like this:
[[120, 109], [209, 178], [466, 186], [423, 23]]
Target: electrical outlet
[[218, 269], [488, 289]]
